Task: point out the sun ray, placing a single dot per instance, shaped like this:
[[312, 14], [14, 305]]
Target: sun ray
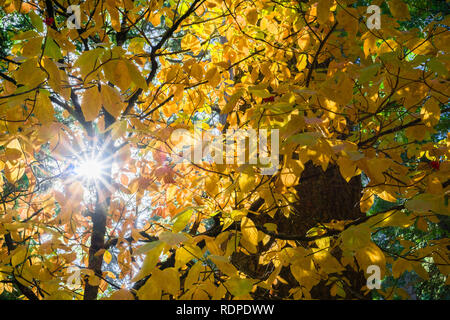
[[90, 164], [90, 169]]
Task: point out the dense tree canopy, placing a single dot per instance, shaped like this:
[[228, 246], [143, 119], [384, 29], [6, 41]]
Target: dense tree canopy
[[98, 202]]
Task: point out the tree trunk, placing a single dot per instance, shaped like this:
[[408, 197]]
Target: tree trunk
[[322, 197], [97, 243], [99, 220]]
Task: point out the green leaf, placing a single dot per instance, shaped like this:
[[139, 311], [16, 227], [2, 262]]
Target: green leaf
[[368, 73], [262, 93], [306, 139], [36, 21], [52, 49], [181, 220], [428, 202], [438, 67], [30, 34]]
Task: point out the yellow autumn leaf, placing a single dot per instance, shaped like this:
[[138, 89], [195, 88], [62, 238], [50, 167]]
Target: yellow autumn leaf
[[197, 71], [150, 290], [107, 256], [224, 265], [136, 75], [168, 280], [347, 168], [14, 168], [186, 253], [369, 255], [369, 46], [150, 261], [211, 185], [91, 103], [111, 100], [54, 79], [288, 176], [302, 62], [116, 71], [399, 9], [89, 60], [420, 270], [193, 275], [252, 16], [249, 233], [232, 101], [121, 294], [430, 112], [190, 42], [323, 10], [213, 76], [305, 274], [44, 109], [239, 287], [247, 182], [114, 15], [356, 237], [181, 220], [33, 47], [19, 256], [394, 218], [400, 266], [30, 74]]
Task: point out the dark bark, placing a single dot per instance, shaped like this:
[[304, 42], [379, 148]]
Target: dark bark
[[322, 197], [97, 243], [99, 222]]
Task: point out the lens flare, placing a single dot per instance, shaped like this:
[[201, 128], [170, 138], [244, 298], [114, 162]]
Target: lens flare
[[89, 163], [90, 169]]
